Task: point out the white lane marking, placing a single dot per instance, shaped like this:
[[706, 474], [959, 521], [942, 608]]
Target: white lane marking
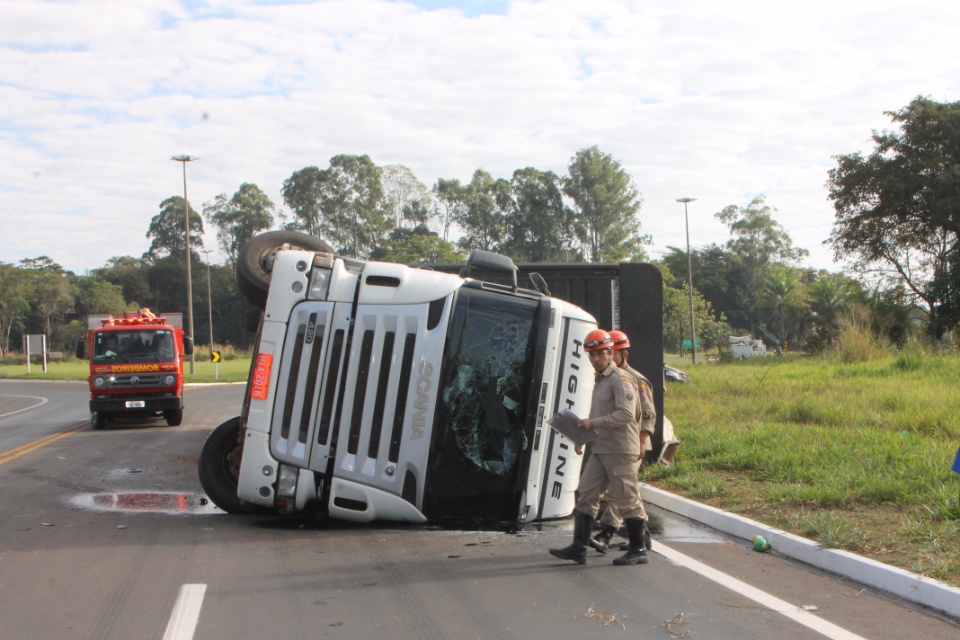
[[186, 612], [43, 401], [773, 603]]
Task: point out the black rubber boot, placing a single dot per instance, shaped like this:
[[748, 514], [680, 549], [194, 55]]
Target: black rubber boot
[[647, 540], [602, 539], [637, 554], [582, 526]]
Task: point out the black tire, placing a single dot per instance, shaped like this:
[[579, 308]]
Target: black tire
[[173, 417], [219, 467], [98, 420], [257, 255]]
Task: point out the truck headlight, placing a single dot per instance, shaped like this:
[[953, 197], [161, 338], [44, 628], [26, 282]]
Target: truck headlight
[[287, 481], [320, 276], [169, 380], [99, 381]]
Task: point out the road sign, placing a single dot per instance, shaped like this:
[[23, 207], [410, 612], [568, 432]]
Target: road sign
[[214, 356]]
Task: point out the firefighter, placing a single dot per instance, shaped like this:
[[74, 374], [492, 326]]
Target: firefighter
[[617, 452], [610, 521]]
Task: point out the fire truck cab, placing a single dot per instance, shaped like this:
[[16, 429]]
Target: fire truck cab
[[136, 366]]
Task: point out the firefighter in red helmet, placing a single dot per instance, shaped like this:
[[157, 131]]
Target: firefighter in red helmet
[[611, 520], [616, 455]]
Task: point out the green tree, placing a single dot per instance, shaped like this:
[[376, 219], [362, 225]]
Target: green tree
[[51, 290], [352, 203], [131, 275], [897, 215], [450, 197], [757, 241], [482, 218], [95, 295], [15, 295], [167, 230], [417, 246], [784, 294], [538, 225], [302, 192], [407, 200], [606, 208], [248, 212]]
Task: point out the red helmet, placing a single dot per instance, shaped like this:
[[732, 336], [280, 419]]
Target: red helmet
[[597, 340], [620, 340]]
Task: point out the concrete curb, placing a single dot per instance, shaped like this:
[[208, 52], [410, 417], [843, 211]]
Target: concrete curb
[[911, 587]]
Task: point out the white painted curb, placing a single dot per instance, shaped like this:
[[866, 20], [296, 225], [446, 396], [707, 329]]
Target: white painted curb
[[908, 586]]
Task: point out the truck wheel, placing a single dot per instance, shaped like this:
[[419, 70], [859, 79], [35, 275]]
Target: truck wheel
[[257, 255], [173, 417], [219, 468], [98, 420]]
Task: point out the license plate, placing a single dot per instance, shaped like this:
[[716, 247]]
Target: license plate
[[136, 404]]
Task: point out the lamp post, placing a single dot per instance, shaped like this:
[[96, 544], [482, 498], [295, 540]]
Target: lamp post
[[186, 221], [693, 331], [210, 312]]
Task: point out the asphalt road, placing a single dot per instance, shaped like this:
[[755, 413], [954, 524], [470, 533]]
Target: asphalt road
[[106, 534]]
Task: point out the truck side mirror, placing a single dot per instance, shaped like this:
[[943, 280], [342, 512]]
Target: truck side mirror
[[81, 344], [187, 345]]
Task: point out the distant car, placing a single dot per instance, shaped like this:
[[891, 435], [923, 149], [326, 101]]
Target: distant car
[[672, 374]]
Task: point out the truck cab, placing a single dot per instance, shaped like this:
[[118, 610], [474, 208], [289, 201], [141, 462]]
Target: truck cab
[[136, 366], [383, 391]]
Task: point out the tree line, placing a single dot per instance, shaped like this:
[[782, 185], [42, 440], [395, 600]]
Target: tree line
[[896, 223]]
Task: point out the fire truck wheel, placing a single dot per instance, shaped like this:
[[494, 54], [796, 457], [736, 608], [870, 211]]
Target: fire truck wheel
[[219, 468], [257, 255], [173, 417], [98, 420]]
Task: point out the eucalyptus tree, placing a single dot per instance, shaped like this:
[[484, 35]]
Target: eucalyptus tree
[[481, 217], [538, 224], [302, 192], [237, 219], [606, 206], [51, 291], [15, 296], [757, 241], [407, 201], [167, 231]]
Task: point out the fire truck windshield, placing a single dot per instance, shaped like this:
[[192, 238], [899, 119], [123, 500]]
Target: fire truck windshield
[[143, 345]]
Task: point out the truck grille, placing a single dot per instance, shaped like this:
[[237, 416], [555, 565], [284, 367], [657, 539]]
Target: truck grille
[[350, 393], [133, 381]]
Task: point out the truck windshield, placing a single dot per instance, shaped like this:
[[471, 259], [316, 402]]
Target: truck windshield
[[487, 373], [133, 346]]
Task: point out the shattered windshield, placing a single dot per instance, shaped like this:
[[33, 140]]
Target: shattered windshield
[[133, 346], [487, 377]]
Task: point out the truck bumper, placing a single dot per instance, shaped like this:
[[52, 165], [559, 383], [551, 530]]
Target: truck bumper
[[150, 404]]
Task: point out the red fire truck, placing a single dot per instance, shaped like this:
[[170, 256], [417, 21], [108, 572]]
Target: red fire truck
[[136, 366]]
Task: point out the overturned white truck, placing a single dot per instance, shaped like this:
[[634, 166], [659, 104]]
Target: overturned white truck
[[381, 391]]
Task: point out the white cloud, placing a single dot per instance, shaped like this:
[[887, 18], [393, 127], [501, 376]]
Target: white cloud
[[718, 101]]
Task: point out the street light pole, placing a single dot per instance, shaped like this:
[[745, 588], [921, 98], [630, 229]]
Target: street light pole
[[210, 312], [693, 331], [186, 221]]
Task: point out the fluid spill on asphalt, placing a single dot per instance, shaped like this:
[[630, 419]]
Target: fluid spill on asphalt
[[147, 502]]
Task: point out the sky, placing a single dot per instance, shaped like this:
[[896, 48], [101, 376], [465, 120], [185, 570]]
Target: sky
[[718, 101]]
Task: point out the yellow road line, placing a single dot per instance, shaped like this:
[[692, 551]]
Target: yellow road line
[[13, 454]]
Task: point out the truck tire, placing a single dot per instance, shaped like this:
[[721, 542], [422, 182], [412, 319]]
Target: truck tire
[[173, 417], [257, 255], [98, 420], [219, 467]]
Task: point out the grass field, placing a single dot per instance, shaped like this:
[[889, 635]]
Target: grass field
[[855, 456]]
